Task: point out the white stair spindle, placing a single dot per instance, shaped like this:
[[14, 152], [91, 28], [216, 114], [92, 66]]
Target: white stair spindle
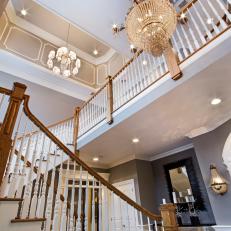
[[224, 9], [14, 183], [28, 190], [100, 206], [187, 39], [141, 221], [149, 225], [78, 225], [56, 223], [217, 15], [208, 33], [36, 195], [63, 224], [22, 179], [93, 206], [209, 17], [86, 204], [155, 224], [42, 200], [202, 38], [72, 199]]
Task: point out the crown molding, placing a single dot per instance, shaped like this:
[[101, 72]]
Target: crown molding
[[54, 39], [171, 152]]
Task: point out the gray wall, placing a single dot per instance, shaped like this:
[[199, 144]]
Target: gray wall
[[141, 172], [161, 189], [49, 106], [209, 149]]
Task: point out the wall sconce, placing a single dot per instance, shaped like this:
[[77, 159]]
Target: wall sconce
[[218, 183]]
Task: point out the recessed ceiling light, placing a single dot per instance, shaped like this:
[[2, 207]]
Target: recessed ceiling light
[[23, 12], [95, 52], [95, 159], [135, 140], [215, 101]]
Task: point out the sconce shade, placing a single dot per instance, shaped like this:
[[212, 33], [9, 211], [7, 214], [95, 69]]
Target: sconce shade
[[218, 183]]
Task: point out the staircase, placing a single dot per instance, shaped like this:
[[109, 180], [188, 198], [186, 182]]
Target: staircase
[[45, 186]]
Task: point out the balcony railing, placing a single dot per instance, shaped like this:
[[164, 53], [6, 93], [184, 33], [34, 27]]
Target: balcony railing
[[200, 22]]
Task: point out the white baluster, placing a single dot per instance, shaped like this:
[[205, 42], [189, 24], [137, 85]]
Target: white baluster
[[217, 15], [14, 183], [224, 9], [22, 179], [72, 199], [42, 199], [50, 195], [57, 207], [209, 17], [156, 227], [184, 49], [78, 225], [141, 222], [187, 39], [149, 225], [202, 22], [93, 206], [86, 204], [64, 205], [202, 38], [28, 189], [100, 206], [105, 209], [36, 187]]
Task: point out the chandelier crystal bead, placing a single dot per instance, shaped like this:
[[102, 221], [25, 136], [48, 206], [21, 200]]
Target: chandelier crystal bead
[[150, 24]]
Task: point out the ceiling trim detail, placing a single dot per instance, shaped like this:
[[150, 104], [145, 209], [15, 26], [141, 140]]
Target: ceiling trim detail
[[171, 152], [53, 39]]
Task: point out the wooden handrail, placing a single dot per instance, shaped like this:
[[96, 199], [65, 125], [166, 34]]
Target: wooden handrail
[[5, 91], [188, 5], [84, 165]]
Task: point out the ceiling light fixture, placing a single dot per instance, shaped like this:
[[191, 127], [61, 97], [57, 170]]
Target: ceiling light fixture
[[64, 62], [215, 101], [95, 52], [135, 140], [23, 12], [95, 159], [149, 25]]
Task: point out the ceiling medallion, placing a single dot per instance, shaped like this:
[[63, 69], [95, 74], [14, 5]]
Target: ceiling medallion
[[64, 61], [149, 25]]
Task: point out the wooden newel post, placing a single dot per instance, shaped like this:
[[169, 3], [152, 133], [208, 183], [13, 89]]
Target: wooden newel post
[[109, 101], [172, 63], [168, 214], [76, 129], [8, 124]]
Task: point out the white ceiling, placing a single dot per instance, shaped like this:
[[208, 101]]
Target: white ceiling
[[95, 17], [165, 124]]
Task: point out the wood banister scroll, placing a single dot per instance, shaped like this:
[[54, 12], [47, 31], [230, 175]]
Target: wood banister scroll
[[7, 127], [168, 214]]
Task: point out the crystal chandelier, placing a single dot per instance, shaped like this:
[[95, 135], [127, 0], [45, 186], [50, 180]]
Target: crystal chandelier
[[149, 25], [64, 62]]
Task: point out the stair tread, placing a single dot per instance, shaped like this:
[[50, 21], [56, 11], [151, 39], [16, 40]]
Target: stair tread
[[10, 199], [16, 220]]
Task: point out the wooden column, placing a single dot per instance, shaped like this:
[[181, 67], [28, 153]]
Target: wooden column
[[168, 214], [8, 125], [3, 4], [76, 129], [172, 63], [109, 101]]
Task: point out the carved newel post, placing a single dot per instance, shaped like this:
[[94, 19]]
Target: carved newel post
[[168, 214], [8, 124]]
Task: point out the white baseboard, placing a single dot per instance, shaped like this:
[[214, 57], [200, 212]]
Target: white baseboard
[[222, 227]]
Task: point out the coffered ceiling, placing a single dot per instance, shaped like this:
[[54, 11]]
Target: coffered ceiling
[[53, 28]]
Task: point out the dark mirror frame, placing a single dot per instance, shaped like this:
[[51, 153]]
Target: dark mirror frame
[[196, 191]]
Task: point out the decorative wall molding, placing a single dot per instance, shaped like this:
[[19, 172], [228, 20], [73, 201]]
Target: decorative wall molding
[[171, 152], [5, 26], [54, 39]]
